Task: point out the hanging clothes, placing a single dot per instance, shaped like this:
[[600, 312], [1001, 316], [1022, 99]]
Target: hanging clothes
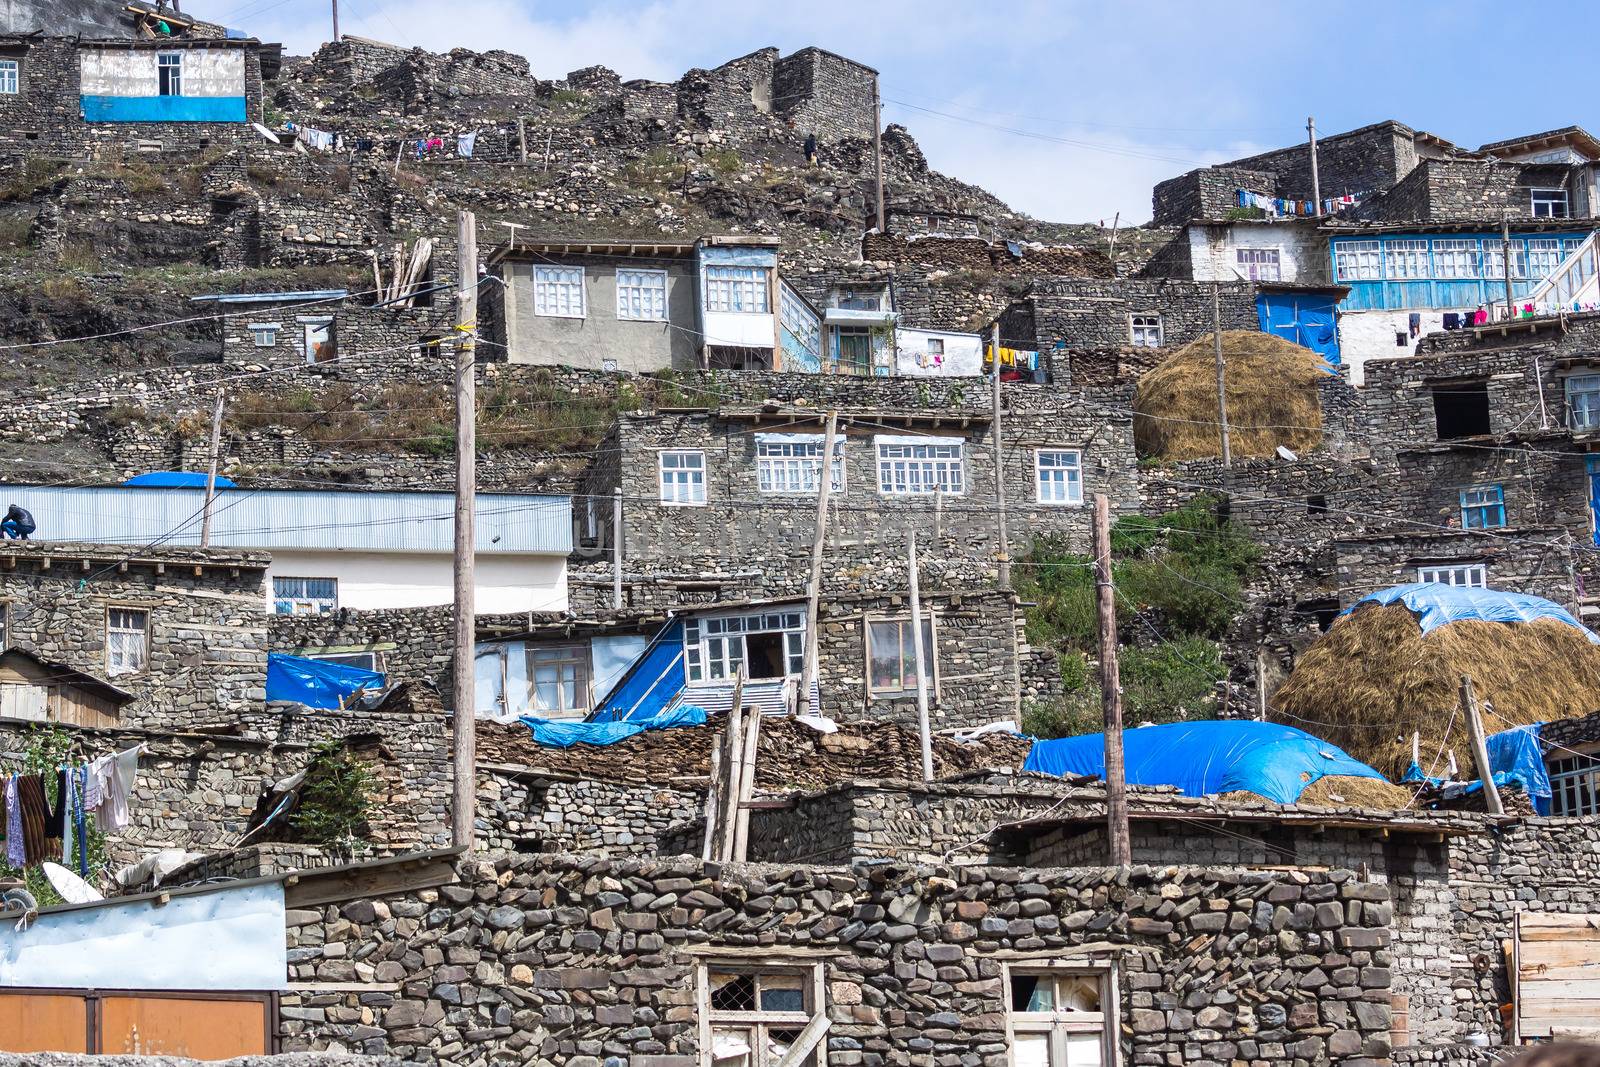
[[16, 856], [80, 790], [1414, 322], [34, 805], [465, 143], [55, 821], [113, 811], [67, 801]]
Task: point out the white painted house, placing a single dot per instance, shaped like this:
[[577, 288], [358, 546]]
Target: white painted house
[[331, 548]]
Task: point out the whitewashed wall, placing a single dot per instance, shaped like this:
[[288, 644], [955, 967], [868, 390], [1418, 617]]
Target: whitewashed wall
[[132, 72], [963, 354], [374, 580]]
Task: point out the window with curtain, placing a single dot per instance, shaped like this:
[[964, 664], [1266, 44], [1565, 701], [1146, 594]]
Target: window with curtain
[[642, 295], [792, 466], [1358, 261], [1407, 260], [1057, 1018], [892, 657], [558, 292], [918, 469], [127, 641], [737, 289], [1455, 258], [1583, 402]]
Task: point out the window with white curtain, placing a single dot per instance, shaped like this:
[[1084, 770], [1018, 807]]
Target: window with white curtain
[[1260, 264], [1544, 256], [1583, 402], [1455, 258], [920, 467], [1358, 261], [9, 69], [1058, 1018], [789, 463], [737, 289], [642, 295], [127, 641], [1494, 260], [1144, 331], [1407, 259], [558, 292]]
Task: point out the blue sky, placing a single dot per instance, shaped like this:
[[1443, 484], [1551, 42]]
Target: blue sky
[[1108, 97]]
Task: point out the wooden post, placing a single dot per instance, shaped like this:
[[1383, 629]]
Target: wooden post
[[1111, 250], [938, 512], [808, 663], [877, 154], [714, 791], [616, 548], [1505, 255], [1222, 396], [1261, 683], [465, 738], [1480, 751], [522, 144], [747, 776], [548, 137], [999, 467], [735, 772], [211, 473], [1110, 687], [398, 152], [1316, 182], [917, 651]]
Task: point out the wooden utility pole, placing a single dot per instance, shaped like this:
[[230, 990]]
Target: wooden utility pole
[[808, 665], [917, 651], [336, 20], [211, 473], [1111, 250], [877, 153], [733, 774], [1480, 750], [747, 783], [1110, 687], [1316, 182], [1505, 257], [999, 466], [616, 548], [464, 802], [1222, 396], [522, 145]]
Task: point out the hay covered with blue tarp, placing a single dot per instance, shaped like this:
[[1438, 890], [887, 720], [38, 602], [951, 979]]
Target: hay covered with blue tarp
[[1209, 758], [1391, 667]]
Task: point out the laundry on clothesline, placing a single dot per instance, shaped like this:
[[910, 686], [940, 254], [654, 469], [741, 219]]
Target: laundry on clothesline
[[91, 795]]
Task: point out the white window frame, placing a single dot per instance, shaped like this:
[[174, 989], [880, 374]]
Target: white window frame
[[374, 660], [799, 320], [1448, 253], [1544, 256], [264, 334], [732, 289], [1060, 1024], [1146, 330], [930, 652], [1588, 416], [125, 622], [714, 645], [560, 292], [1259, 264], [1574, 781], [1406, 260], [1494, 259], [10, 77], [787, 464], [641, 295], [1358, 261], [1549, 200], [1065, 491], [679, 485], [810, 973], [303, 601], [920, 466], [1461, 575], [172, 61], [310, 327]]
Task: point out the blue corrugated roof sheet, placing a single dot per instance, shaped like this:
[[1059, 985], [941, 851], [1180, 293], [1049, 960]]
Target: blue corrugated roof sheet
[[295, 518]]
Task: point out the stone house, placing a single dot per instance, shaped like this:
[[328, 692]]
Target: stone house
[[180, 630], [1075, 313]]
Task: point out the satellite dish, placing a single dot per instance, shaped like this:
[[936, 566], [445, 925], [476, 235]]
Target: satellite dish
[[263, 131], [73, 890]]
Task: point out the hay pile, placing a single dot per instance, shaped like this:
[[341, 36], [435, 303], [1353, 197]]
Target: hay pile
[[1373, 679], [1272, 393], [1338, 791]]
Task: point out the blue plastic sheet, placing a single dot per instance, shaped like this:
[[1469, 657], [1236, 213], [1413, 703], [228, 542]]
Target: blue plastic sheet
[[1435, 604], [655, 678], [176, 480], [1516, 757], [556, 734], [1206, 758], [316, 683]]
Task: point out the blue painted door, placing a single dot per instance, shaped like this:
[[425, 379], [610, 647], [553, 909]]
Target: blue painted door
[[1307, 319], [1592, 465]]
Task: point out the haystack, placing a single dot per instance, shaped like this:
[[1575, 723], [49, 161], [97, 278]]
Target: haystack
[[1375, 678], [1272, 390]]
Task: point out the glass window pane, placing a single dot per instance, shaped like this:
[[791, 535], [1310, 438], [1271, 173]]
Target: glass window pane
[[1031, 1050], [783, 992], [1083, 1050]]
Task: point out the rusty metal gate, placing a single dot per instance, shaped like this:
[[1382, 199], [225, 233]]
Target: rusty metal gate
[[202, 1026]]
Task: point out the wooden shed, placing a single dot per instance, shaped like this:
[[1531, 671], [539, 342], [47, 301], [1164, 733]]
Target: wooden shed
[[35, 690]]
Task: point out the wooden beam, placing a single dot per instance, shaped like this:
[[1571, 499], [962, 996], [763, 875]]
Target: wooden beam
[[316, 888]]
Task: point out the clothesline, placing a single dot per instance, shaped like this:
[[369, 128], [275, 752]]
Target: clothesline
[[1277, 205], [97, 789], [309, 138]]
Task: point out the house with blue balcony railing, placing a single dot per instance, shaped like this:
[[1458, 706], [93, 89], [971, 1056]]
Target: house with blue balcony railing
[[1409, 281]]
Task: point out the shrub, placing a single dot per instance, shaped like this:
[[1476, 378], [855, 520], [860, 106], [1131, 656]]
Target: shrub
[[333, 799]]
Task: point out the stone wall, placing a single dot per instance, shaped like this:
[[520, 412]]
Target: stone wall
[[818, 92], [1088, 313], [1535, 561], [522, 811], [205, 633], [1206, 193], [564, 960], [1476, 190]]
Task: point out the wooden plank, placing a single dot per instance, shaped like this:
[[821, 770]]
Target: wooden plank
[[1572, 934], [1537, 990], [316, 888], [1546, 920], [1535, 955], [1560, 972]]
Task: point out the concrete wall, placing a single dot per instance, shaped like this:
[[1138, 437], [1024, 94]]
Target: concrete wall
[[963, 354], [370, 581], [601, 338], [123, 72]]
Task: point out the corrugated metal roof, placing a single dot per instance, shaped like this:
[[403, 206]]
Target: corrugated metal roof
[[294, 518]]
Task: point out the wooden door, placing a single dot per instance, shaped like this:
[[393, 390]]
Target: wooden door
[[199, 1028], [43, 1022], [1557, 973]]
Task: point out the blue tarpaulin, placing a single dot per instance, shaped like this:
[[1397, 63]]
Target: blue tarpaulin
[[556, 734], [1206, 758], [316, 683], [176, 480], [1516, 756], [1305, 318], [651, 683], [1435, 604]]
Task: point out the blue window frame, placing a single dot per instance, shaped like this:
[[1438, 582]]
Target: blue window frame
[[1483, 507]]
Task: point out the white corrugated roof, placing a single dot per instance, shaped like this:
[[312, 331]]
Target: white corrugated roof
[[294, 518]]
